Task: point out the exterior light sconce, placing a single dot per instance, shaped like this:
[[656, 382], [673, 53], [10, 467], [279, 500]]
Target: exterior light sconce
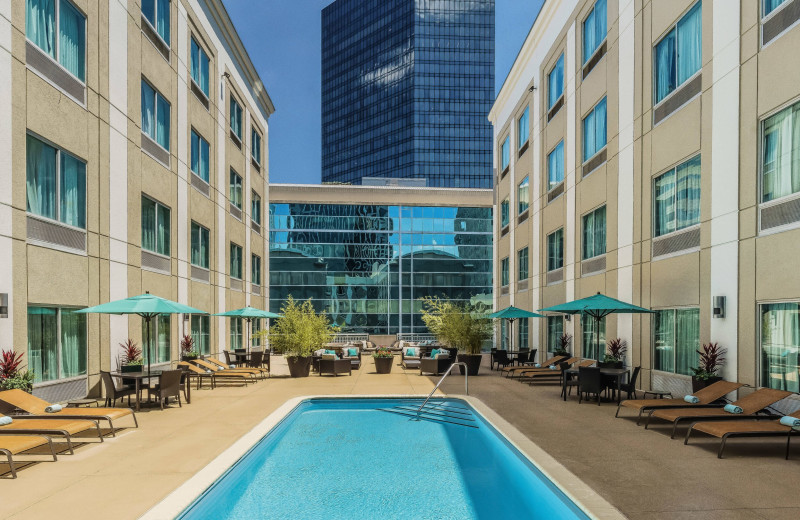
[[532, 88], [718, 306], [3, 305], [567, 317]]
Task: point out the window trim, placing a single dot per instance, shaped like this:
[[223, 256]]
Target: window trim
[[208, 245], [58, 308], [157, 203], [654, 66], [153, 27], [766, 17], [760, 158], [759, 336]]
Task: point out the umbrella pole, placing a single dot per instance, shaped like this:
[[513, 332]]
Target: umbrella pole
[[149, 345]]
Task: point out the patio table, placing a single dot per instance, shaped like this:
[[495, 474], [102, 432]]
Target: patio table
[[138, 377], [616, 373]]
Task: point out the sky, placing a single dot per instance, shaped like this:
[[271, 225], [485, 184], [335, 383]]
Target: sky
[[283, 40]]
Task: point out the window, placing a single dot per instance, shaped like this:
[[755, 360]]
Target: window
[[522, 129], [522, 264], [555, 329], [237, 332], [236, 189], [771, 5], [522, 333], [201, 334], [594, 29], [676, 198], [159, 343], [59, 29], [55, 184], [503, 336], [255, 270], [56, 343], [255, 207], [555, 250], [506, 153], [255, 146], [676, 338], [155, 227], [594, 337], [523, 196], [555, 166], [594, 233], [200, 246], [555, 82], [504, 213], [780, 345], [678, 53], [236, 118], [236, 261], [780, 167], [155, 115], [255, 340], [199, 67], [594, 130], [504, 272], [157, 13], [200, 156]]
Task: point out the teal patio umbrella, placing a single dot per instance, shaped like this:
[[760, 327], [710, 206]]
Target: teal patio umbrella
[[146, 305], [249, 314], [512, 313]]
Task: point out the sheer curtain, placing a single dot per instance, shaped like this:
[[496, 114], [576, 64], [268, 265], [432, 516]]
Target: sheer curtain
[[204, 160], [162, 19], [687, 340], [555, 165], [40, 178], [781, 167], [72, 39], [162, 122], [600, 231], [600, 125], [162, 230], [522, 128], [593, 344], [73, 343], [780, 344], [687, 194], [664, 340], [665, 66], [771, 5], [664, 199], [195, 153], [164, 329], [43, 343], [148, 110], [73, 191], [40, 24], [689, 44], [589, 37], [195, 62], [555, 328], [236, 261], [555, 82], [148, 224], [589, 143]]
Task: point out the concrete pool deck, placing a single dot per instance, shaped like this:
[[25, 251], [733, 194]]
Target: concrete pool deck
[[643, 473]]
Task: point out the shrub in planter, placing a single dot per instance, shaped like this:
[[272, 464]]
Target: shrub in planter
[[11, 377], [131, 359], [188, 351], [711, 360], [460, 326], [563, 345], [299, 333], [384, 359], [615, 352]]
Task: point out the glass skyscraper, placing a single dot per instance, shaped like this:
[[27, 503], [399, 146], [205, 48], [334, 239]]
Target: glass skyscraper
[[406, 89]]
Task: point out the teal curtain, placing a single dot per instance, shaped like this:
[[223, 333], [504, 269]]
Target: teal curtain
[[594, 130], [664, 340], [523, 196], [689, 43], [522, 333], [555, 329], [236, 118], [149, 241], [589, 146], [201, 334], [199, 246], [522, 264], [162, 121], [504, 213], [160, 331], [236, 190], [781, 155], [40, 178], [555, 82], [666, 66], [72, 203], [523, 129], [555, 250], [255, 270], [40, 24], [594, 233], [199, 67], [504, 275], [255, 327], [43, 343], [72, 39], [555, 166], [236, 262], [148, 110], [594, 29], [236, 333], [162, 19], [162, 230], [255, 145], [780, 346], [149, 11], [687, 193], [593, 344], [506, 152], [771, 5], [664, 202], [194, 153], [73, 343], [687, 340]]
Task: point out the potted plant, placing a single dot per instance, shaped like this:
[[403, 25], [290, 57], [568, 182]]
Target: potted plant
[[711, 360], [459, 326], [299, 333], [188, 353], [563, 345], [11, 377], [615, 353], [384, 359], [132, 360]]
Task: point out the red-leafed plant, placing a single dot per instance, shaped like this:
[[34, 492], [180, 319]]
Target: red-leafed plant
[[187, 346], [615, 350], [11, 376], [563, 344], [9, 363], [131, 353], [711, 359]]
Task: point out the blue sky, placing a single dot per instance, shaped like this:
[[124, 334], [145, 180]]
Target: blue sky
[[283, 40]]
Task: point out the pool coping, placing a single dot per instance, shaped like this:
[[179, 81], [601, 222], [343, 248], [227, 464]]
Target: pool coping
[[586, 498]]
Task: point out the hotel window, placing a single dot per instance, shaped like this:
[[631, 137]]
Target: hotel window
[[522, 129], [55, 184], [200, 156], [594, 233], [59, 29], [255, 146], [506, 153], [504, 213], [780, 166], [555, 250], [522, 264], [56, 343], [555, 329], [676, 198], [555, 166], [157, 13], [155, 227], [555, 82], [594, 130], [160, 339], [771, 5], [201, 334], [678, 53], [504, 275], [676, 339], [594, 337], [522, 333], [255, 270], [155, 115], [236, 189], [236, 118], [255, 340], [780, 345], [594, 29], [199, 65], [237, 333], [200, 246], [236, 261], [523, 196], [503, 336], [255, 207]]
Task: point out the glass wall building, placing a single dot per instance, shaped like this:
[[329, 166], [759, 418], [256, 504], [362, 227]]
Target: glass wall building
[[406, 86]]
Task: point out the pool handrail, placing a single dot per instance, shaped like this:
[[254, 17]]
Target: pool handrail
[[446, 373]]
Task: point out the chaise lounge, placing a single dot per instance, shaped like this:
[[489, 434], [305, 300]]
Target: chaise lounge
[[50, 426], [11, 445], [740, 428], [511, 371], [705, 397]]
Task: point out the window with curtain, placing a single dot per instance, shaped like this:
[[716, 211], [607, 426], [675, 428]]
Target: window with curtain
[[522, 264], [676, 198], [199, 66], [771, 5], [555, 82], [555, 166], [678, 54], [780, 164], [255, 341], [160, 339], [594, 130], [236, 189], [237, 333], [155, 115], [58, 28], [255, 146], [594, 29], [523, 129], [155, 227], [157, 13], [201, 334], [57, 343], [200, 156], [505, 151], [504, 213], [555, 329], [255, 207], [503, 336], [676, 339], [522, 333], [780, 345], [236, 118], [594, 337], [200, 246], [523, 196], [594, 233], [55, 183], [504, 274], [255, 270], [236, 261], [555, 250]]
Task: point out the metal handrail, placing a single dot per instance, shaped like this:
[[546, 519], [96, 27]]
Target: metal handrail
[[446, 373]]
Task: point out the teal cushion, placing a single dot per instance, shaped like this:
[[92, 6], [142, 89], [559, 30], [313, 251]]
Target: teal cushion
[[412, 352], [329, 352], [434, 352], [352, 352]]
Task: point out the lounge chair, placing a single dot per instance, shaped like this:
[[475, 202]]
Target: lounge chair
[[33, 405], [511, 371], [15, 444], [218, 369], [201, 374], [50, 426], [741, 428], [546, 374], [750, 404], [706, 396], [410, 361]]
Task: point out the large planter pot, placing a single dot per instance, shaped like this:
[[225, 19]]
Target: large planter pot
[[299, 366], [473, 362], [609, 364], [188, 358], [383, 365], [131, 368], [699, 384]]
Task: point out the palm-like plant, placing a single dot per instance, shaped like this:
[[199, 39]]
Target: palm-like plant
[[711, 359], [615, 350], [131, 353]]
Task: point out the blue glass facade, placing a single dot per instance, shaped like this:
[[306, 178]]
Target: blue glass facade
[[368, 265], [406, 89]]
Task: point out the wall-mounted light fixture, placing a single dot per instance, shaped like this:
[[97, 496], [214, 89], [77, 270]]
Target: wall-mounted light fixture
[[718, 306], [3, 305], [567, 317], [532, 88]]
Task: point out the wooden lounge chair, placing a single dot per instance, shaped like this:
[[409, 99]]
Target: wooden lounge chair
[[750, 404], [201, 374], [548, 375], [511, 371], [706, 395], [33, 405], [219, 368], [50, 426], [744, 428], [11, 445]]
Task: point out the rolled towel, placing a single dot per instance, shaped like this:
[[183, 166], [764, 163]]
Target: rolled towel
[[691, 399], [5, 420], [786, 421], [732, 408], [552, 367], [537, 365], [53, 408], [231, 366]]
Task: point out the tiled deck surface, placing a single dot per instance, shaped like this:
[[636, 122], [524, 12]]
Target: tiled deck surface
[[643, 473]]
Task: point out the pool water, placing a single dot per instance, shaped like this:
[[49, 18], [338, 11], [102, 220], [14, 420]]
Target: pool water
[[349, 458]]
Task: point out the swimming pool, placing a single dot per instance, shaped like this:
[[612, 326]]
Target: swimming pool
[[350, 458]]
